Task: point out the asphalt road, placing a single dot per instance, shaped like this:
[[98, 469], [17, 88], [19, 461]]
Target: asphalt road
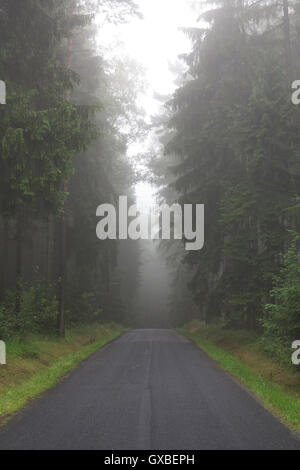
[[150, 389]]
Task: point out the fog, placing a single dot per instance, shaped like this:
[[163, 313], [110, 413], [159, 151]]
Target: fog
[[149, 182], [165, 101], [151, 306]]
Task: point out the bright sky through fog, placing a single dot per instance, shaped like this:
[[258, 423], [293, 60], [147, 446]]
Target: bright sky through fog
[[145, 197], [155, 42]]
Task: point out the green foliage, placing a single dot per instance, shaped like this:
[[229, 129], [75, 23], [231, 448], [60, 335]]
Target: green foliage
[[282, 317], [278, 397], [37, 152], [85, 309], [233, 142], [37, 311], [38, 363], [40, 132], [8, 320], [63, 139]]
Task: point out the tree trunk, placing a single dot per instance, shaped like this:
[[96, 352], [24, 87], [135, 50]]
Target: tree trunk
[[18, 267], [4, 257], [48, 273], [62, 274]]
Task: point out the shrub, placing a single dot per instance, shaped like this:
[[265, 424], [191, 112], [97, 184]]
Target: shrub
[[36, 313], [84, 309], [282, 317]]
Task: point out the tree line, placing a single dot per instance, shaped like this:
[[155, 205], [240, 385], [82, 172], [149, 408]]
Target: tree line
[[231, 141], [64, 131]]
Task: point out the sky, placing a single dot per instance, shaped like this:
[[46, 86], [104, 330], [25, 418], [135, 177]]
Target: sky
[[155, 42]]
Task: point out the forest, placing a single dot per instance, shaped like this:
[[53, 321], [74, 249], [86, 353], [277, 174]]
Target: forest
[[68, 117], [231, 140], [228, 138]]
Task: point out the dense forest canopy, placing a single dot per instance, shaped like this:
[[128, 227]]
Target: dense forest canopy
[[227, 138], [63, 151], [232, 142]]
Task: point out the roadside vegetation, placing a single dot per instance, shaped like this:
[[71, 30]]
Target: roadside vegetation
[[242, 354], [38, 362]]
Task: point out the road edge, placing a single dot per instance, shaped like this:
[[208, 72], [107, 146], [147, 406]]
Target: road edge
[[266, 406], [84, 354]]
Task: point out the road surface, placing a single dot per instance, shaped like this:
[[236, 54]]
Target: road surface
[[150, 389]]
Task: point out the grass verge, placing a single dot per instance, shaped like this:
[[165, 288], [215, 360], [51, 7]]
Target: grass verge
[[37, 364], [238, 353]]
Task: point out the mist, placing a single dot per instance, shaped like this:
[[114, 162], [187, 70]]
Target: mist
[[152, 297]]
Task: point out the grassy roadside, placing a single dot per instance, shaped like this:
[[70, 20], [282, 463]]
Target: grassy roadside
[[238, 353], [38, 363]]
